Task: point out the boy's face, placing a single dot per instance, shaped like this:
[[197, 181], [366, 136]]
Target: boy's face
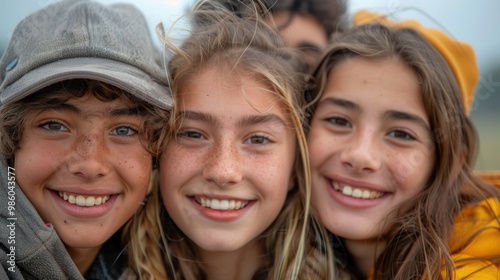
[[83, 167]]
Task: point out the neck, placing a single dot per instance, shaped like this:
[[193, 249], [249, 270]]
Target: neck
[[364, 253], [83, 257], [241, 264]]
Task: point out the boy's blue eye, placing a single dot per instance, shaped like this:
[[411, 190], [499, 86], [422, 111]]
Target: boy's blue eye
[[54, 126], [124, 131]]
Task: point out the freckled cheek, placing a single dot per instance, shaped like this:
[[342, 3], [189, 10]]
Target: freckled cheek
[[178, 165], [273, 173], [136, 165], [36, 163]]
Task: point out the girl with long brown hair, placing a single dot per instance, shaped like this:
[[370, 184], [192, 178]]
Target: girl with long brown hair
[[391, 154]]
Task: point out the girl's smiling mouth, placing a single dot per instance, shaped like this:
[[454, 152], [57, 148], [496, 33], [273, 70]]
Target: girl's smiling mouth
[[356, 192], [221, 204]]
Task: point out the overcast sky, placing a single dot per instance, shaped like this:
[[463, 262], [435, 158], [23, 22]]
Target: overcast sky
[[475, 22]]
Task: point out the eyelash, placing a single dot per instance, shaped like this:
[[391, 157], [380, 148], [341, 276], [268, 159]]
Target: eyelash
[[190, 134], [46, 125], [334, 121], [131, 129], [260, 137], [407, 135]]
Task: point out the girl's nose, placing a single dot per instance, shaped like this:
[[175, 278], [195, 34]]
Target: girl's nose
[[223, 166], [361, 153]]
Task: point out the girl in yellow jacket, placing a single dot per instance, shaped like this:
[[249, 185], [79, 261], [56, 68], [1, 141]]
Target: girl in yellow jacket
[[391, 155]]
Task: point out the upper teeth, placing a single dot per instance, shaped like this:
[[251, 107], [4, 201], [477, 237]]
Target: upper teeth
[[223, 204], [357, 193], [80, 200]]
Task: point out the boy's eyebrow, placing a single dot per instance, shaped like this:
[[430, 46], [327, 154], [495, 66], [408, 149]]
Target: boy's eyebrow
[[133, 111], [399, 115], [124, 111], [64, 106], [340, 102]]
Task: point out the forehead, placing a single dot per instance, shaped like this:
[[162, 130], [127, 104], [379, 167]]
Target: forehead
[[220, 83], [388, 83], [229, 92]]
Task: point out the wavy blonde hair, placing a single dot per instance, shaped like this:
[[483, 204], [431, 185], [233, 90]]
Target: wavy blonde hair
[[297, 246], [417, 244]]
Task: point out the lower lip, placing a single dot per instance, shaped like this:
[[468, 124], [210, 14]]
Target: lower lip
[[222, 215], [350, 201], [84, 211]]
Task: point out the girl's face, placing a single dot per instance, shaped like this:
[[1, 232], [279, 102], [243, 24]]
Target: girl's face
[[225, 176], [83, 167], [370, 146]]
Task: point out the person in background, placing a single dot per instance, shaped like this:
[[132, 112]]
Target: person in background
[[307, 25]]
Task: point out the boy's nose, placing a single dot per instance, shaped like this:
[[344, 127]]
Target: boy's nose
[[89, 159]]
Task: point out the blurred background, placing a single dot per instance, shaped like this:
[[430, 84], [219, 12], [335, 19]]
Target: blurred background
[[476, 23]]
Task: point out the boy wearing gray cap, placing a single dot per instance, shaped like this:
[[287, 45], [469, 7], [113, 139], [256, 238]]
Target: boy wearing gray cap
[[84, 107]]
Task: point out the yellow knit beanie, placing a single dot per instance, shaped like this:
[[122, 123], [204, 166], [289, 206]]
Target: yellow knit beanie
[[459, 55]]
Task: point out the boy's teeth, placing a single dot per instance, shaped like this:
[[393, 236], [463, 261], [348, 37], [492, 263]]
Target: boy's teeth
[[223, 204], [84, 201], [356, 193]]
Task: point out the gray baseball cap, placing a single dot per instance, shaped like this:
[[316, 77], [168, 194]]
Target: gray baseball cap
[[79, 39]]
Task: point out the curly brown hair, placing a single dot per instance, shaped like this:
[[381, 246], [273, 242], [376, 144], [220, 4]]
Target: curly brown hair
[[13, 115]]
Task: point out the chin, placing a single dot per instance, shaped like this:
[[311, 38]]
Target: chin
[[84, 239]]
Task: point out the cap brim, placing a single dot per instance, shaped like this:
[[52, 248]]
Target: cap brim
[[121, 75]]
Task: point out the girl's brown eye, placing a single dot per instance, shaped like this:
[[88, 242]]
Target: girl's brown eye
[[338, 121], [401, 134], [257, 140]]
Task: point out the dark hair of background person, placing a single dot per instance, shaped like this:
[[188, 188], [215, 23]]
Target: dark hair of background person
[[330, 13]]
